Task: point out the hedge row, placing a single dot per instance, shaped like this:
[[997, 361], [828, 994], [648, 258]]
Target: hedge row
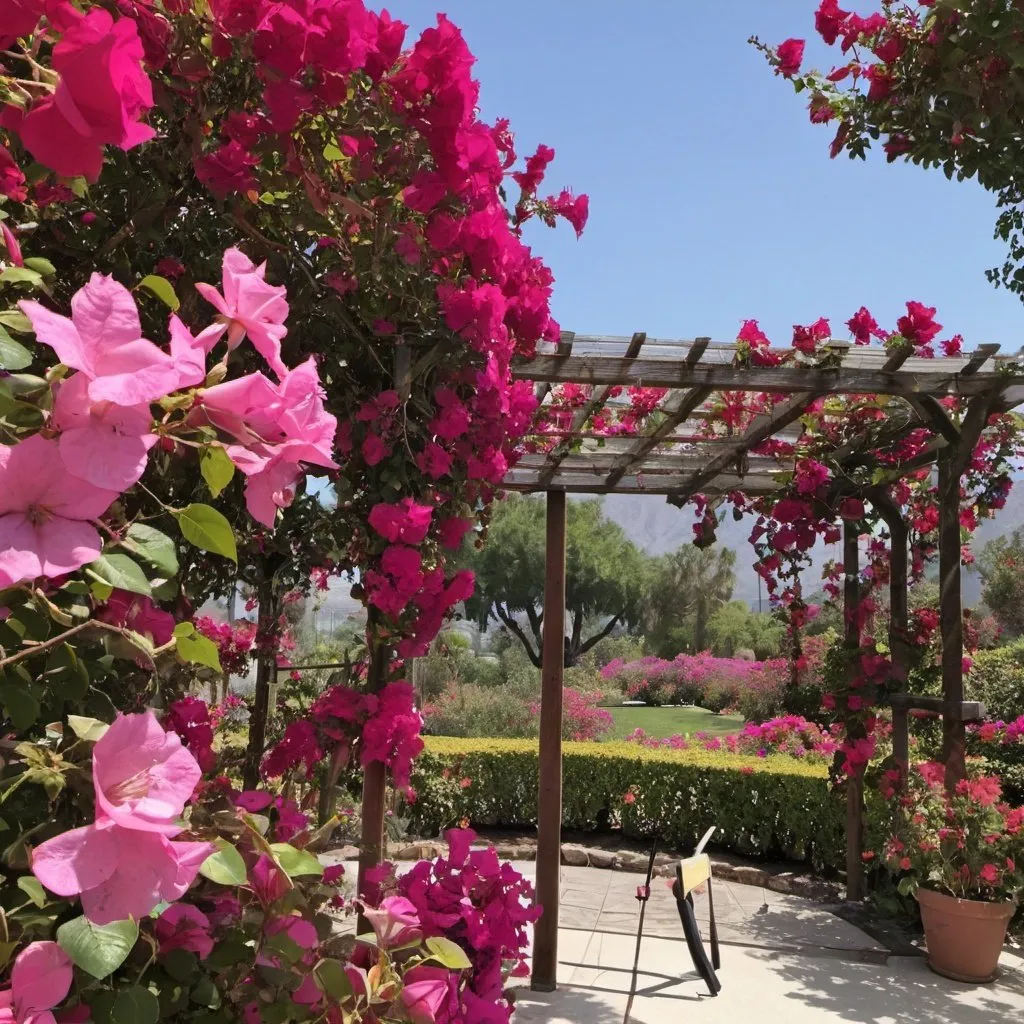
[[770, 807]]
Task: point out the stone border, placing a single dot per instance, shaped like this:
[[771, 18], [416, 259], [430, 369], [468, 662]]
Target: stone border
[[779, 879]]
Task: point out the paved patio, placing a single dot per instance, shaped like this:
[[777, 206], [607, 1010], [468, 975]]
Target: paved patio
[[785, 960]]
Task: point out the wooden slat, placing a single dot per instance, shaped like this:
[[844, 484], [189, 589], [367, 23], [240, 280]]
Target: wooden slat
[[670, 373], [978, 358], [676, 411], [760, 429], [583, 414], [585, 483]]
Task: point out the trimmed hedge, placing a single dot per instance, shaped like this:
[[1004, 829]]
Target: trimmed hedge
[[770, 807]]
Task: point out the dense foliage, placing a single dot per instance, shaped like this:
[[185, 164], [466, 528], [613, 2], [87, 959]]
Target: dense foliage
[[772, 806], [322, 213]]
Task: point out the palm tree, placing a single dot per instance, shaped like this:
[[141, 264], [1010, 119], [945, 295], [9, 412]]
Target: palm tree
[[688, 585]]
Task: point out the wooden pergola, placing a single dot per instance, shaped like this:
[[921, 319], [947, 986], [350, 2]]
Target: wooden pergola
[[682, 453]]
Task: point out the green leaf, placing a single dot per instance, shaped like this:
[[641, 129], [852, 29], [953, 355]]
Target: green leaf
[[91, 729], [208, 530], [153, 547], [225, 867], [162, 289], [196, 648], [135, 1005], [180, 964], [15, 320], [98, 949], [20, 275], [296, 862], [42, 266], [206, 994], [100, 590], [30, 886], [331, 152], [331, 978], [19, 704], [449, 954], [13, 355], [120, 572], [217, 468]]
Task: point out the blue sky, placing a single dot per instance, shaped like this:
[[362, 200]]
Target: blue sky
[[713, 198]]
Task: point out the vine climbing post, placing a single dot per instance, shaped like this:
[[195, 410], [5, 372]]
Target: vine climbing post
[[549, 796], [854, 776], [371, 843], [951, 619], [267, 633], [899, 649]]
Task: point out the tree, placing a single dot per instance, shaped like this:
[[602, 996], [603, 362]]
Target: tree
[[685, 588], [1001, 564], [944, 90], [734, 627], [605, 575]]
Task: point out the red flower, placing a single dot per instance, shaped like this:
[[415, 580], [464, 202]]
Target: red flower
[[12, 181], [629, 798], [465, 783], [791, 56]]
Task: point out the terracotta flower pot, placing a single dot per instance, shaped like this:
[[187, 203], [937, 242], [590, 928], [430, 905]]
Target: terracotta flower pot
[[964, 937]]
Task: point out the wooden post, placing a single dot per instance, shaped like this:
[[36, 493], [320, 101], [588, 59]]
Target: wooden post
[[371, 843], [951, 620], [549, 796], [266, 674], [854, 779], [898, 645]]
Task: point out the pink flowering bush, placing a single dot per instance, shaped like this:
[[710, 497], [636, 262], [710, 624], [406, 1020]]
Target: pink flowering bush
[[789, 735], [582, 719], [242, 246]]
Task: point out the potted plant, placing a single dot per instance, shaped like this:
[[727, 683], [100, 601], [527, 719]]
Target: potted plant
[[960, 854]]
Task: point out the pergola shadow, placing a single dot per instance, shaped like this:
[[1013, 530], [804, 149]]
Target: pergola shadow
[[904, 992]]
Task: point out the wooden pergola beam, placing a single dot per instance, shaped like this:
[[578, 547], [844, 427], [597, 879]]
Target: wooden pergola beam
[[678, 410], [788, 380], [527, 481], [585, 412]]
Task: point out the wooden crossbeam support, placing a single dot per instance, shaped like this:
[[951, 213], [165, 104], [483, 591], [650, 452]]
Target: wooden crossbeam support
[[760, 429], [970, 710], [849, 380], [527, 482], [854, 779], [677, 410], [978, 359], [583, 414]]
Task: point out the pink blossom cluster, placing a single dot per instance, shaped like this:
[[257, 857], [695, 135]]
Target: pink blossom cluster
[[126, 862], [39, 980], [102, 428], [234, 642], [1003, 733], [483, 905], [382, 726], [582, 719], [791, 735]]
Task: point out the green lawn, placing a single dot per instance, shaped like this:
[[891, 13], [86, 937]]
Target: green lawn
[[661, 722]]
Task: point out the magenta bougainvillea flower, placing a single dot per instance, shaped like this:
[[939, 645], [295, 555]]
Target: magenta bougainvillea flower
[[250, 306], [102, 92], [103, 339], [41, 978], [45, 513]]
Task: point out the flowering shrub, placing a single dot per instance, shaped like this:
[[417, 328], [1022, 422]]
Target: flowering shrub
[[718, 684], [763, 806], [790, 735], [966, 844], [243, 245], [582, 719]]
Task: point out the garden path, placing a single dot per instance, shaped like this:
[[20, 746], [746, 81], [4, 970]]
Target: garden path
[[785, 960]]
